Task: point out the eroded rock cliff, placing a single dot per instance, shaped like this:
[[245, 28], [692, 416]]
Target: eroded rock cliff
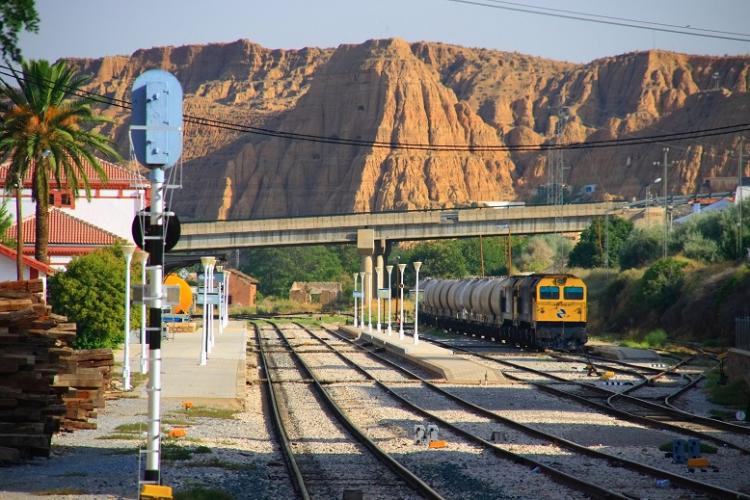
[[427, 93]]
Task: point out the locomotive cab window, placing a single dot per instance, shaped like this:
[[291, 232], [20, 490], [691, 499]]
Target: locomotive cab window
[[573, 293], [549, 292]]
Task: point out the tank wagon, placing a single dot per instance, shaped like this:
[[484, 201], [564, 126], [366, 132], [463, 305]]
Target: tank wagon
[[536, 310]]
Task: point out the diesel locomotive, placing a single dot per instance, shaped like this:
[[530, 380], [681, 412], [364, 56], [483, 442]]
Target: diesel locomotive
[[535, 311]]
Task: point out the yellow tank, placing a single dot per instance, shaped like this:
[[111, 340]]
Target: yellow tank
[[186, 295]]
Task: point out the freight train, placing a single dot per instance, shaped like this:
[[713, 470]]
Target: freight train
[[535, 311]]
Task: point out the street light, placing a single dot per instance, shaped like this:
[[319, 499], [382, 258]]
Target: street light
[[220, 269], [377, 289], [355, 299], [362, 301], [390, 294], [648, 189], [401, 268], [417, 265], [142, 257], [205, 262], [127, 251], [211, 306]]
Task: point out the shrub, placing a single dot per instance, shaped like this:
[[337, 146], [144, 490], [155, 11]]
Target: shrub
[[656, 338], [661, 283], [697, 247], [641, 247], [91, 292]]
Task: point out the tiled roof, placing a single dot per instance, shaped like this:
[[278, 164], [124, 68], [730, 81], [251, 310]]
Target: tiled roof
[[242, 275], [116, 175], [27, 261], [65, 230]]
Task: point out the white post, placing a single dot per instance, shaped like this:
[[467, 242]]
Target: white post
[[226, 298], [417, 265], [390, 270], [362, 301], [377, 289], [355, 300], [369, 304], [127, 250], [142, 258], [206, 262], [211, 306], [402, 268]]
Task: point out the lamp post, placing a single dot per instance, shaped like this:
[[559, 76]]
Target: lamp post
[[220, 288], [417, 265], [205, 262], [390, 293], [127, 251], [362, 301], [369, 302], [377, 289], [211, 338], [355, 300], [142, 257], [648, 189], [402, 268]]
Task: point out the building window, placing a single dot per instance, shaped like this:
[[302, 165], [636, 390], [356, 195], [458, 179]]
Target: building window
[[61, 199]]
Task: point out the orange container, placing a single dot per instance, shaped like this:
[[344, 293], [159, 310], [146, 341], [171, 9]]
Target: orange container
[[698, 463], [437, 444], [177, 432]]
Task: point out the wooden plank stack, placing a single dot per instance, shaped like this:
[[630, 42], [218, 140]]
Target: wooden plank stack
[[45, 385]]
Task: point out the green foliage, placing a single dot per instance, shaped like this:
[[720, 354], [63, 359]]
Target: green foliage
[[640, 248], [705, 448], [202, 493], [598, 240], [6, 220], [698, 247], [16, 15], [661, 283], [712, 236], [278, 268], [91, 292], [656, 338]]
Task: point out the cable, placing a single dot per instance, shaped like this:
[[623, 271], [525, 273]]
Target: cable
[[601, 21], [616, 18], [236, 127]]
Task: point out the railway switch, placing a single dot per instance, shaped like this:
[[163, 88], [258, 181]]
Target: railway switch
[[420, 436], [432, 432], [679, 451]]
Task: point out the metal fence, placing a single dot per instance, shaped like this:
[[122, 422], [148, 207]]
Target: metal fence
[[742, 332]]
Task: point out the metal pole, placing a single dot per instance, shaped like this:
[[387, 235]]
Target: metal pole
[[740, 195], [390, 294], [211, 307], [142, 256], [220, 289], [127, 250], [155, 247], [226, 298], [377, 281], [665, 150], [362, 301], [205, 261], [369, 303], [402, 268], [417, 265], [355, 300]]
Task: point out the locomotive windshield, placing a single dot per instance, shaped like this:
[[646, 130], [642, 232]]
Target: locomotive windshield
[[549, 292], [573, 293]]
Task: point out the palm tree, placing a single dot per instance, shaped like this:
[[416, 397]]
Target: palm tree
[[43, 132]]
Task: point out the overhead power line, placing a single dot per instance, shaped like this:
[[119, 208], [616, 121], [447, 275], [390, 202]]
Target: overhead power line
[[610, 20], [471, 148]]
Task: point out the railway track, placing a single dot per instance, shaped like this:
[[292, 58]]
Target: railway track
[[621, 405], [633, 473], [324, 451]]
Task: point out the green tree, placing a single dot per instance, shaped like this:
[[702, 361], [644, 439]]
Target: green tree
[[16, 15], [640, 248], [596, 239], [91, 292], [43, 132], [662, 282]]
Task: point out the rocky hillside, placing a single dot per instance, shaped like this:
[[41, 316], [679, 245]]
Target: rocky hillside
[[393, 91]]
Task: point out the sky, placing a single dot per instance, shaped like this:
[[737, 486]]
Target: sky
[[95, 28]]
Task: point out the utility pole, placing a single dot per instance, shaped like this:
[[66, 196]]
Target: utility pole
[[665, 163], [740, 195]]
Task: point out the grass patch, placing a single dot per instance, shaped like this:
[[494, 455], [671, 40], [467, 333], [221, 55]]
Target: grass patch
[[170, 451], [224, 464], [181, 422], [202, 450], [202, 493], [124, 436], [130, 428], [72, 474], [705, 448], [60, 491], [208, 412]]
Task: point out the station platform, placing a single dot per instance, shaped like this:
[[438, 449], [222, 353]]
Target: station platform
[[625, 353], [439, 361], [219, 384]]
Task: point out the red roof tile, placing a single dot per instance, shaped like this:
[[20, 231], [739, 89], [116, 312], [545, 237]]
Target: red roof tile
[[65, 230], [116, 175], [27, 261]]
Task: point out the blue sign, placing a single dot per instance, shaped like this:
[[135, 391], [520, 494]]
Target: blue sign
[[156, 121]]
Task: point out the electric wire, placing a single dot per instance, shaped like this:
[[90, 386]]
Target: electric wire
[[393, 145], [601, 21]]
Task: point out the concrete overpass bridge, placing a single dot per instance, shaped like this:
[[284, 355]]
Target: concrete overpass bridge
[[384, 227], [373, 233]]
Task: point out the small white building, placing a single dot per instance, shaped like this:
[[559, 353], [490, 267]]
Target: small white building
[[32, 268], [112, 206]]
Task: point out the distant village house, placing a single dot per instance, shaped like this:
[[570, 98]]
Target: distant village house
[[315, 292], [242, 288]]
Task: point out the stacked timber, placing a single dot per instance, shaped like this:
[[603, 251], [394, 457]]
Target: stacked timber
[[45, 385]]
